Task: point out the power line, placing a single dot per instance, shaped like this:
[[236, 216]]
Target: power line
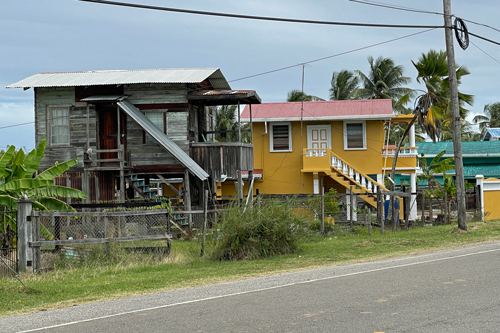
[[332, 56], [280, 69], [262, 18], [481, 24], [380, 4], [485, 52]]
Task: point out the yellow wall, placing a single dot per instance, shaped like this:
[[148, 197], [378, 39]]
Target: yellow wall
[[491, 206], [282, 170]]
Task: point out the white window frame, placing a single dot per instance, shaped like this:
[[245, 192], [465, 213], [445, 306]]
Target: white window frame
[[271, 137], [363, 123], [50, 126]]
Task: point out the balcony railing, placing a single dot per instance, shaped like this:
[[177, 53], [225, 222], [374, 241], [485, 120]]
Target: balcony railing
[[221, 160], [403, 152], [315, 159]]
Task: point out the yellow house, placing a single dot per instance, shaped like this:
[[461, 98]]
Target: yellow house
[[296, 145]]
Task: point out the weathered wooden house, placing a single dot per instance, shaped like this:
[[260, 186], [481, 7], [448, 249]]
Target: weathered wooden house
[[128, 124]]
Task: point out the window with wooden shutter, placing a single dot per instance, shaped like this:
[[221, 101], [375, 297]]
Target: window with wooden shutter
[[354, 135], [281, 137]]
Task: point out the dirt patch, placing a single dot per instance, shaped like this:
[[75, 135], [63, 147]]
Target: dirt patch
[[458, 231]]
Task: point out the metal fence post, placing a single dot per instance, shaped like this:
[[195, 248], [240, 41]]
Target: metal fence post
[[25, 235]]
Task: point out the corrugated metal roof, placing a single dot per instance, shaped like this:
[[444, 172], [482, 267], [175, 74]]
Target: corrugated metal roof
[[116, 77], [219, 92], [162, 139], [488, 171], [492, 132], [469, 148], [321, 110]]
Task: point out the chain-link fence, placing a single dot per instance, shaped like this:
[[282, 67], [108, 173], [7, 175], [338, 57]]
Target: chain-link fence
[[8, 244], [80, 234]]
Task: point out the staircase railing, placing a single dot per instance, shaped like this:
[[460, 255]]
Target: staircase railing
[[346, 169]]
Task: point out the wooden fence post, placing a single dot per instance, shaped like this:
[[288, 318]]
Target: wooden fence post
[[322, 207], [24, 235], [205, 208]]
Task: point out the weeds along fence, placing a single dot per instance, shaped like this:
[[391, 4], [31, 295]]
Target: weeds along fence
[[78, 234], [8, 243], [442, 209]]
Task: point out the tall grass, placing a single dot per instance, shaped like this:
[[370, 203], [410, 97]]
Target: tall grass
[[267, 229]]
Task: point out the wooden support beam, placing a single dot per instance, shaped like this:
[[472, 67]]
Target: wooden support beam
[[168, 184]]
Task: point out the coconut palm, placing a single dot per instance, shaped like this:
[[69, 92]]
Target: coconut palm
[[343, 85], [385, 80], [433, 108], [226, 125], [296, 95], [490, 118]]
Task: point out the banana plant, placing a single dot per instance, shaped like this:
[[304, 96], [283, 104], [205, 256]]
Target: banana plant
[[18, 181]]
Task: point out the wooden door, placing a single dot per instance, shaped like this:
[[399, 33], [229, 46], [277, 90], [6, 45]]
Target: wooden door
[[108, 131], [318, 137]]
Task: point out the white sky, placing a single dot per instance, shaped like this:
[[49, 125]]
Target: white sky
[[67, 35]]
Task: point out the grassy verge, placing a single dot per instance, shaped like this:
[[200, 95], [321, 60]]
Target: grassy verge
[[135, 274]]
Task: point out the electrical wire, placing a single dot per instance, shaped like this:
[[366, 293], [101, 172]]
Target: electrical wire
[[485, 52], [279, 69], [261, 18], [332, 56], [380, 4]]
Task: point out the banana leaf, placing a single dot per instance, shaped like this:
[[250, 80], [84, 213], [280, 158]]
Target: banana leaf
[[57, 191], [33, 166], [53, 204], [4, 160], [23, 184], [57, 169], [8, 201]]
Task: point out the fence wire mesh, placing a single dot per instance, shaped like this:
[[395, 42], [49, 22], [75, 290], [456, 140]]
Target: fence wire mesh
[[8, 244], [85, 234], [103, 224]]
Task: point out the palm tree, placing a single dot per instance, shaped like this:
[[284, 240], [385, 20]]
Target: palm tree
[[433, 109], [344, 84], [434, 104], [385, 80], [490, 118], [226, 125], [296, 95]]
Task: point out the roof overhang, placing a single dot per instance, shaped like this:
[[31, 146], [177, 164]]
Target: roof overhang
[[325, 118], [123, 77], [225, 97], [402, 119]]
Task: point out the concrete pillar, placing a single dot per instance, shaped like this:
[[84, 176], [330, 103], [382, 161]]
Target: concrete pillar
[[316, 183], [413, 198], [25, 235], [480, 183], [411, 136]]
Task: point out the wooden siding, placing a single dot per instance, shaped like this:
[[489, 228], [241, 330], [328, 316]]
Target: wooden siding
[[171, 97], [222, 158], [156, 93], [154, 154], [106, 181], [45, 97]]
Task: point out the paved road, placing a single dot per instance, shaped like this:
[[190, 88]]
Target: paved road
[[446, 291]]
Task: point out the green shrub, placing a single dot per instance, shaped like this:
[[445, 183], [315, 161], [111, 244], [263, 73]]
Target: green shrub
[[316, 226], [266, 229]]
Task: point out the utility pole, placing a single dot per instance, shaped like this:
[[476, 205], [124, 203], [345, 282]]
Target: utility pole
[[457, 134]]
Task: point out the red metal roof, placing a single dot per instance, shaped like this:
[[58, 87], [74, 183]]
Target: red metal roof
[[321, 110]]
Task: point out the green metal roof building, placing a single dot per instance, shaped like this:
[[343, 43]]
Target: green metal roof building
[[479, 157]]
